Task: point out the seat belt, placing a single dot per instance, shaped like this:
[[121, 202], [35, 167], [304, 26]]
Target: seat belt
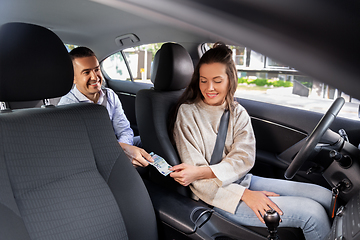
[[217, 154]]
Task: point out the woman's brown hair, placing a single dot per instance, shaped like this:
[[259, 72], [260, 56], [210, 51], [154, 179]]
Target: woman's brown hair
[[219, 53]]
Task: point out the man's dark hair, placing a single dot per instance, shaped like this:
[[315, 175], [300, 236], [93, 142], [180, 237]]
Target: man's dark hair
[[81, 52]]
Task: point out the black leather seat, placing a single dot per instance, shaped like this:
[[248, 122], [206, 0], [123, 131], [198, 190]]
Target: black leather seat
[[62, 173], [171, 73]]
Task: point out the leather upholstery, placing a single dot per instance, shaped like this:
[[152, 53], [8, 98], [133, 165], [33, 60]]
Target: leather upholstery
[[172, 68], [63, 174], [171, 73]]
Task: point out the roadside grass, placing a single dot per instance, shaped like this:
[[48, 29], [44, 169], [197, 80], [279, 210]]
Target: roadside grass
[[252, 87]]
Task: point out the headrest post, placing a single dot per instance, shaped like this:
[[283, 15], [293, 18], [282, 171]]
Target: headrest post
[[47, 103], [2, 105], [4, 108]]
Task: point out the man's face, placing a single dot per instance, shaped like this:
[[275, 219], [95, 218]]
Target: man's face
[[87, 76]]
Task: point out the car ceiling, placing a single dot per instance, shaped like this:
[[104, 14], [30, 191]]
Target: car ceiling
[[90, 23], [317, 37]]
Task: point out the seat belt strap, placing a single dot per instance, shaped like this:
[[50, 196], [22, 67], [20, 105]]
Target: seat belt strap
[[217, 154]]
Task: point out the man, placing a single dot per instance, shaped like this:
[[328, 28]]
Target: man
[[88, 80]]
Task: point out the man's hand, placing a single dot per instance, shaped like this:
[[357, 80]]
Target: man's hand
[[186, 174], [136, 155], [259, 202]]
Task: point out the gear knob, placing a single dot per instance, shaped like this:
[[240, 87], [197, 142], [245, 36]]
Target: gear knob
[[272, 219]]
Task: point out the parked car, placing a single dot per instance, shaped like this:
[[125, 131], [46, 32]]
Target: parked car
[[307, 43]]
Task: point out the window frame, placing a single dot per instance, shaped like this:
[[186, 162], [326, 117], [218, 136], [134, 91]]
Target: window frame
[[126, 64]]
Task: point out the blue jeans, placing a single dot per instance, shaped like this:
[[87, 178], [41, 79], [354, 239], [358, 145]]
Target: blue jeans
[[304, 206]]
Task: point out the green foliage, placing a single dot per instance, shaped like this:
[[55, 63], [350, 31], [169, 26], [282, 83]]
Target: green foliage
[[281, 83], [307, 84], [261, 82], [70, 46], [242, 80]]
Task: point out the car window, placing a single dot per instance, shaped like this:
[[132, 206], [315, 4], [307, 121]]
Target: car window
[[70, 47], [116, 68], [264, 79], [131, 64]]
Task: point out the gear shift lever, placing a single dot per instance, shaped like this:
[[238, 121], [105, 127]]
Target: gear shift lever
[[272, 219]]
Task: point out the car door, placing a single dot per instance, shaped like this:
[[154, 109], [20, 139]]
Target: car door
[[280, 132], [124, 73], [285, 105]]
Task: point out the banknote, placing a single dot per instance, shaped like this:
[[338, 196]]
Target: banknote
[[160, 164]]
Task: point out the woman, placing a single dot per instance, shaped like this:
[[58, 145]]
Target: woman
[[228, 186]]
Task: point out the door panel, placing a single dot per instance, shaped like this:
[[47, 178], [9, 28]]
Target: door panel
[[273, 137], [126, 90], [279, 129]]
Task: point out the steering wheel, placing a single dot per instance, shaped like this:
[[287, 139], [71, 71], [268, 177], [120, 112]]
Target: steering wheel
[[314, 138]]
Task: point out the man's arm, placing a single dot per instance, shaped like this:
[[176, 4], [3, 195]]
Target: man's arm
[[124, 133], [137, 156], [121, 124]]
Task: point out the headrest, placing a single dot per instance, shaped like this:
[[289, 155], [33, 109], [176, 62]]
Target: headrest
[[172, 68], [34, 63]]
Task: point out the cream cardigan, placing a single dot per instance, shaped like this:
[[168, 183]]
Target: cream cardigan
[[195, 134]]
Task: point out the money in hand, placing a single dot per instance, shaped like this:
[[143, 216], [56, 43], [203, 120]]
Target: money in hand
[[160, 164]]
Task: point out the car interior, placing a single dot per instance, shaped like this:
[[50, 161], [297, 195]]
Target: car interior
[[62, 172]]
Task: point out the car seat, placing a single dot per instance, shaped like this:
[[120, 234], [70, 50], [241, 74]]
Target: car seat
[[171, 73], [63, 174]]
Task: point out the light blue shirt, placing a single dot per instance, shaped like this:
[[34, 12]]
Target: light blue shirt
[[117, 116]]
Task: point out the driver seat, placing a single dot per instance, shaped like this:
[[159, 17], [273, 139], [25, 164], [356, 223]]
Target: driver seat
[[63, 174]]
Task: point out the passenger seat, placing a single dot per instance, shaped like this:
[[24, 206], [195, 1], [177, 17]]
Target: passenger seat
[[63, 174], [171, 73]]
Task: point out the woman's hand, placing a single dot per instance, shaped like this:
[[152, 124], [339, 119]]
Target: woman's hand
[[259, 202], [186, 174]]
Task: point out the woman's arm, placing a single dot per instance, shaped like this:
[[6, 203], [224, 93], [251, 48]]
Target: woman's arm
[[186, 174], [194, 171], [259, 202]]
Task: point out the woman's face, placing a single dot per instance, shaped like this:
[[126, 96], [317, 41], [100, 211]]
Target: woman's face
[[214, 83]]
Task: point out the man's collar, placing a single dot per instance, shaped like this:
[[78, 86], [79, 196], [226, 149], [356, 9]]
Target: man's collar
[[82, 98]]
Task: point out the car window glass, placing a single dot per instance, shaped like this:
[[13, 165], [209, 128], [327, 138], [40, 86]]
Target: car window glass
[[115, 67], [70, 47], [264, 79], [131, 64]]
